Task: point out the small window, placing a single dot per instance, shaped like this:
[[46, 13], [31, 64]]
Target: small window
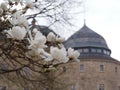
[[101, 87], [64, 69], [81, 68], [99, 50], [26, 88], [2, 88], [85, 50], [116, 69], [108, 53], [101, 67], [73, 87], [80, 50], [45, 89], [93, 50], [104, 51], [118, 87]]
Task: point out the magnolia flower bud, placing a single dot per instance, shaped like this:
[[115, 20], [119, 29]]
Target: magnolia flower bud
[[51, 37], [29, 4], [60, 39], [4, 6], [1, 11]]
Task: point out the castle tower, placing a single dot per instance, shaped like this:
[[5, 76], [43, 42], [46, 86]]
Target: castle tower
[[97, 70]]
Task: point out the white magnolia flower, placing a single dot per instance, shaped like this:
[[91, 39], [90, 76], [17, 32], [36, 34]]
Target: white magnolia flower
[[60, 39], [59, 55], [51, 37], [15, 0], [19, 20], [72, 54], [29, 4], [38, 41], [17, 33], [1, 11], [4, 6], [34, 52], [47, 57], [17, 14]]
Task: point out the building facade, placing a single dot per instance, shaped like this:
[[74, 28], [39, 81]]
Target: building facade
[[97, 70]]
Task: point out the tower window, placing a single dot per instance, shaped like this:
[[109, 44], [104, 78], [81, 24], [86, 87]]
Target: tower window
[[81, 67], [108, 53], [102, 67], [2, 88], [104, 51], [73, 87], [99, 50], [64, 69], [93, 50], [116, 69], [118, 87], [101, 87], [85, 50], [80, 50]]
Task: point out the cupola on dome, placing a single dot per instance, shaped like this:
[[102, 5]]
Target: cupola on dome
[[86, 41]]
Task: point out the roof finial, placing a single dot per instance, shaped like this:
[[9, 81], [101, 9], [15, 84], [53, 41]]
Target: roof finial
[[84, 12], [84, 22]]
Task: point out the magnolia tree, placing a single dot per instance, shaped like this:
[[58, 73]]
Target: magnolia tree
[[26, 53]]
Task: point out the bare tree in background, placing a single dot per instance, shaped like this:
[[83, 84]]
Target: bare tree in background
[[15, 63]]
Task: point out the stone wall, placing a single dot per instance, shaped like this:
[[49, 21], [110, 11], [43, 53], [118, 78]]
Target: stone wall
[[69, 77]]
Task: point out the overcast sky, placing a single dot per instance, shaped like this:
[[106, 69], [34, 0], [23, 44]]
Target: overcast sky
[[103, 16]]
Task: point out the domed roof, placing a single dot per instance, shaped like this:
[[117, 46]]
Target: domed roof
[[86, 37], [43, 29]]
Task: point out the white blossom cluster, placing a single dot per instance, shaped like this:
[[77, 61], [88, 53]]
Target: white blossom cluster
[[38, 43]]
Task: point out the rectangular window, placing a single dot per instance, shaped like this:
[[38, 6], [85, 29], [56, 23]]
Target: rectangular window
[[118, 87], [64, 69], [99, 50], [45, 89], [101, 68], [81, 67], [73, 87], [93, 50], [85, 50], [2, 88], [104, 51], [101, 87], [80, 50], [116, 69]]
